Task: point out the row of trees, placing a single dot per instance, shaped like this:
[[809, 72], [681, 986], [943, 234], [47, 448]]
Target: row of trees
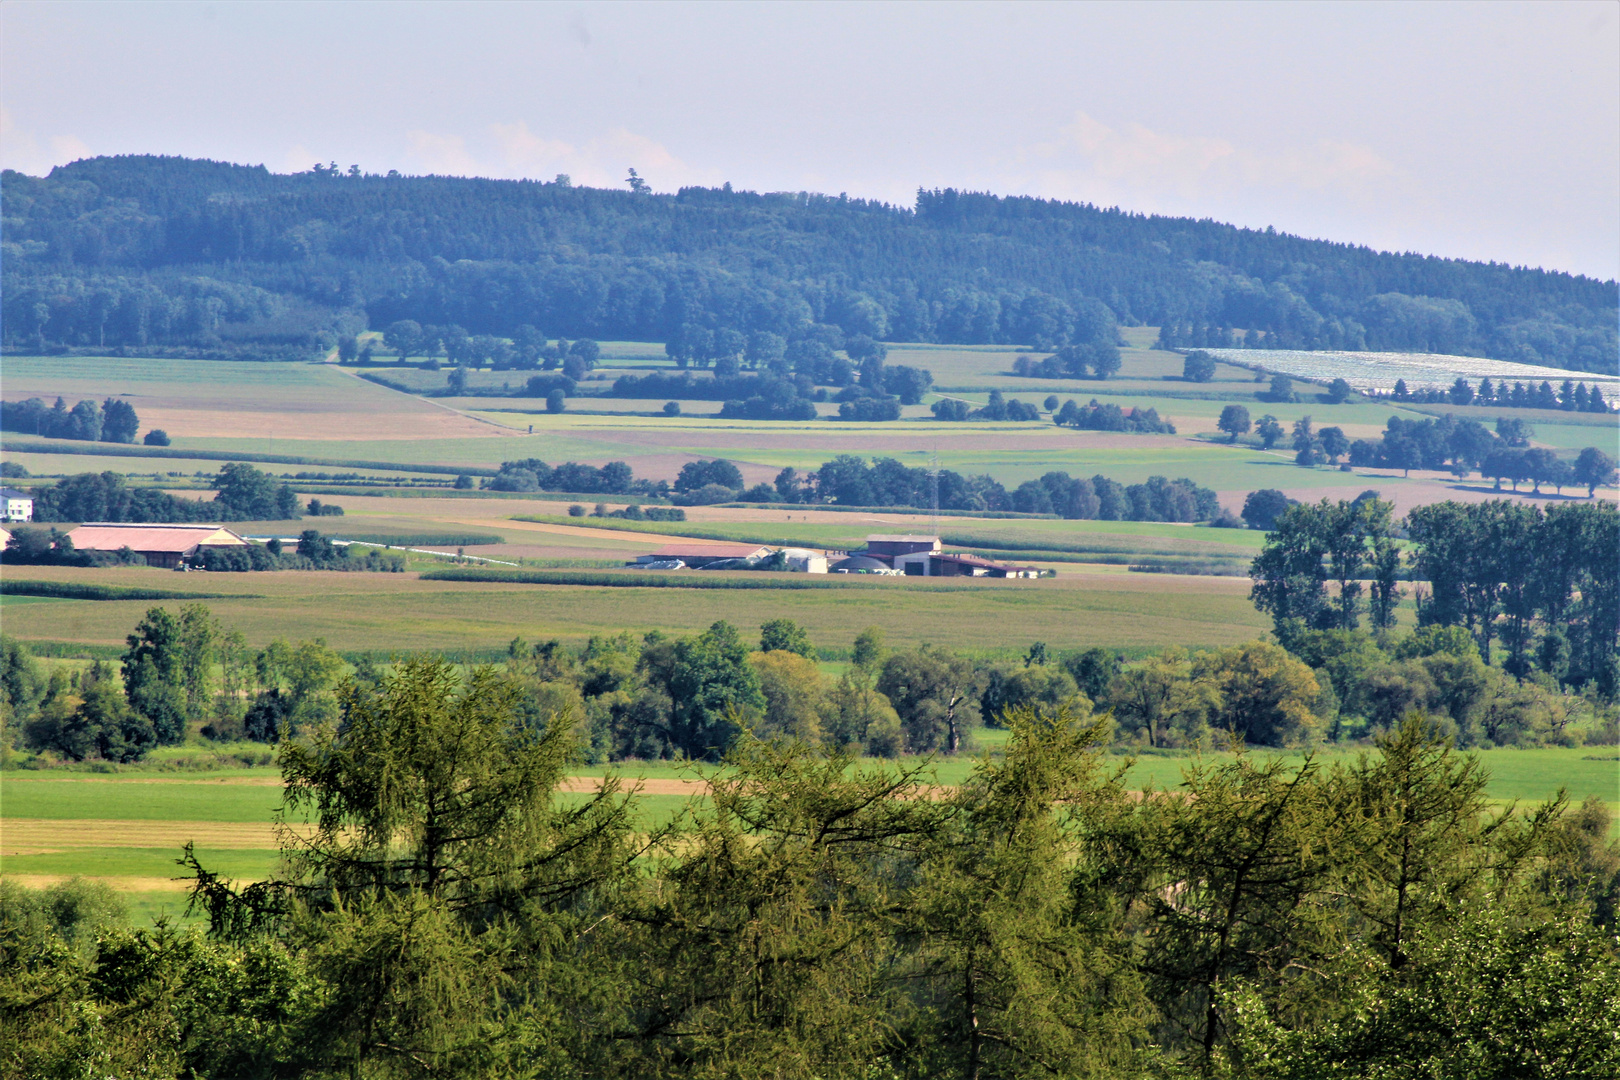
[[997, 408], [141, 252], [852, 481], [112, 421], [1546, 583], [1569, 397], [877, 396], [448, 910]]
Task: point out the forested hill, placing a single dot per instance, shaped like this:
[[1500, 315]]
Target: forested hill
[[171, 254]]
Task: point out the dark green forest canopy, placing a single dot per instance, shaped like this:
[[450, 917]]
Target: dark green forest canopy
[[162, 253]]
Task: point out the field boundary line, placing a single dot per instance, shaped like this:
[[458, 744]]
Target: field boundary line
[[418, 397]]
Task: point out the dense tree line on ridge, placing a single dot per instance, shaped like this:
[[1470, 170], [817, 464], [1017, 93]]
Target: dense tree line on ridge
[[167, 254]]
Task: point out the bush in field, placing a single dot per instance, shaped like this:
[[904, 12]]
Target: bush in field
[[1262, 508]]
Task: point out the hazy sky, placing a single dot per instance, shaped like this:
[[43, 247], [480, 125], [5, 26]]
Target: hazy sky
[[1487, 131]]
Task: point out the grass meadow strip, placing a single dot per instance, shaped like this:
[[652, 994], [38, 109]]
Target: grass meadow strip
[[66, 446], [72, 590]]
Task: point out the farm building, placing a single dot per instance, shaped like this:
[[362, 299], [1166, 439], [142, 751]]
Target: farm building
[[956, 565], [922, 556], [889, 547], [805, 561], [698, 556], [861, 564], [19, 504], [160, 545], [730, 557]]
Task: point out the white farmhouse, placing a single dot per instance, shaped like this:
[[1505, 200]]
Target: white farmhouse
[[19, 504]]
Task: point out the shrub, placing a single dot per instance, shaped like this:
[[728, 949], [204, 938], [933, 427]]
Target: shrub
[[707, 495], [870, 409], [156, 437]]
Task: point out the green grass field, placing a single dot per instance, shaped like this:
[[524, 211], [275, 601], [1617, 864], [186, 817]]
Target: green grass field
[[128, 829], [245, 797]]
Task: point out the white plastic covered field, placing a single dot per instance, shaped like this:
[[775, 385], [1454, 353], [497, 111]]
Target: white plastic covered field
[[1380, 370]]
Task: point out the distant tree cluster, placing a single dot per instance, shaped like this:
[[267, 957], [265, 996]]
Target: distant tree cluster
[[997, 408], [1087, 360], [1544, 583], [873, 392], [850, 480], [1110, 417], [700, 483], [526, 351], [180, 668], [112, 421], [773, 399], [532, 474], [1466, 445], [244, 494]]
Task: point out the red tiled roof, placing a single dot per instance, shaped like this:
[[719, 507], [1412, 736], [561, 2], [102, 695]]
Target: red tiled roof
[[173, 538]]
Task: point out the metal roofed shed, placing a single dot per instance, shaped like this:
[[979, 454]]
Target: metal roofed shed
[[883, 545], [860, 564], [805, 560], [160, 545], [959, 565], [698, 556]]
